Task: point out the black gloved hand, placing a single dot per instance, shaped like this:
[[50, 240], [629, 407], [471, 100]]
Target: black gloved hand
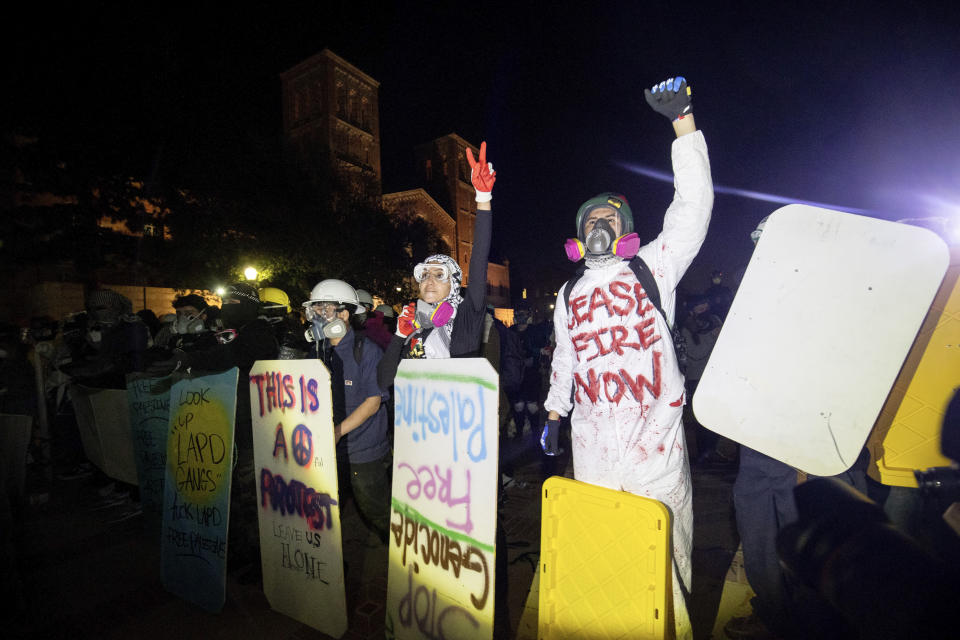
[[549, 439], [670, 98], [177, 360]]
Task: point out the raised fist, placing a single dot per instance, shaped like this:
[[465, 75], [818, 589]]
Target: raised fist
[[670, 98]]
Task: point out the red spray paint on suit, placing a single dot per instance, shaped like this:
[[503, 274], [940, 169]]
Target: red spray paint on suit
[[615, 351]]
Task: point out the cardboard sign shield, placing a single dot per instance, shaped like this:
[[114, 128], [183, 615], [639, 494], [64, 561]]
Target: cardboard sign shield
[[296, 465], [148, 400], [196, 488], [440, 579], [104, 424], [819, 328]]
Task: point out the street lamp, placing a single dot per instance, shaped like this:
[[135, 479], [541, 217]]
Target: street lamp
[[250, 273]]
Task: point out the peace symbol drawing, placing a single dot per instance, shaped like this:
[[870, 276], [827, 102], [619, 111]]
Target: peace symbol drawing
[[302, 445]]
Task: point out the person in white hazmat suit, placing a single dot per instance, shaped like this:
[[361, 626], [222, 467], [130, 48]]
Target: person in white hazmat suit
[[614, 370]]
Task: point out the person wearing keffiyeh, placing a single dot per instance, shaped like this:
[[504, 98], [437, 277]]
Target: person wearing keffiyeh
[[445, 321]]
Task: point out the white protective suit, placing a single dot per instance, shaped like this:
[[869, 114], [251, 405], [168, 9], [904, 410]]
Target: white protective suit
[[617, 352]]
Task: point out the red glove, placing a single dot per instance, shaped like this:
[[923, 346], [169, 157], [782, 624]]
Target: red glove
[[405, 323], [482, 174]]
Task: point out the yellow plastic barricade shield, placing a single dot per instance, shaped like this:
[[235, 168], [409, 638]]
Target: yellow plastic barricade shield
[[604, 563]]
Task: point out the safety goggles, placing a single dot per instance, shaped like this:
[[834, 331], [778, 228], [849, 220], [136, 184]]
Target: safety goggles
[[431, 271], [322, 309]]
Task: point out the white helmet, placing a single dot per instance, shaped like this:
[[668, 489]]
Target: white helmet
[[334, 291], [366, 301]]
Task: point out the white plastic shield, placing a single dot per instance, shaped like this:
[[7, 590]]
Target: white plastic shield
[[440, 580], [816, 335], [296, 465]]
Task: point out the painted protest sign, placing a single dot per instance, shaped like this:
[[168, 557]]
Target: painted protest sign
[[440, 578], [295, 459], [148, 401], [196, 493]]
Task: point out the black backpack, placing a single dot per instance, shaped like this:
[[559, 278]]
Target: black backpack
[[649, 284]]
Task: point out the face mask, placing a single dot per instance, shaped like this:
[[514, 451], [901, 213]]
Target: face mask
[[429, 316], [184, 325]]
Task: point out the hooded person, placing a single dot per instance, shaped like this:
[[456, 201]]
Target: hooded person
[[614, 370], [359, 405], [116, 341], [443, 323]]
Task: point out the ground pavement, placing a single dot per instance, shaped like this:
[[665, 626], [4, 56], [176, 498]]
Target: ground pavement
[[84, 567]]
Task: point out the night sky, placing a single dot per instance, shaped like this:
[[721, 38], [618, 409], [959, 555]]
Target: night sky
[[854, 106]]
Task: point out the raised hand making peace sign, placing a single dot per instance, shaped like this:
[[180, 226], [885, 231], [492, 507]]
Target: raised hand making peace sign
[[482, 174]]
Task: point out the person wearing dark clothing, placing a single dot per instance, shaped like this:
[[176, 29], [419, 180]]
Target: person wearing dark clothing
[[115, 342], [191, 330], [359, 405], [525, 400], [719, 295], [376, 328]]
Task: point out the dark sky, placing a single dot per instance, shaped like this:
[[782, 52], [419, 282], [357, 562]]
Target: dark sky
[[852, 105]]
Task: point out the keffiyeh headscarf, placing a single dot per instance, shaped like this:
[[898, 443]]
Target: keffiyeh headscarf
[[437, 343]]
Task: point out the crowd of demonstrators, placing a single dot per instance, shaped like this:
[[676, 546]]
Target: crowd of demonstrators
[[626, 400], [608, 379]]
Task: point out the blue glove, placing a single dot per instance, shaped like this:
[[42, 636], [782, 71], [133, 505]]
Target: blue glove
[[670, 98], [549, 439]]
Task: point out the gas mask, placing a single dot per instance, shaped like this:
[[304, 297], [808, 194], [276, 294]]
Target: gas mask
[[601, 241], [324, 324], [430, 316]]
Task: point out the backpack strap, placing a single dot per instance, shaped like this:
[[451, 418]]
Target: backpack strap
[[640, 270], [647, 281]]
